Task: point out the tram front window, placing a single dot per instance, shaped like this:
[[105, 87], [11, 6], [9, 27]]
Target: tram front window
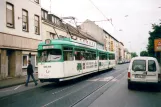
[[50, 55]]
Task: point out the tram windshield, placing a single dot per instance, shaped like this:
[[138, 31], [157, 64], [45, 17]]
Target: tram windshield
[[50, 55]]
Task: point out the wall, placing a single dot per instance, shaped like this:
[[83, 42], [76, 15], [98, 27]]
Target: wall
[[18, 68], [121, 51], [94, 30], [17, 42], [32, 8], [4, 64]]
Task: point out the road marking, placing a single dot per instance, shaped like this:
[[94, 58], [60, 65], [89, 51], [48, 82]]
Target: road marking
[[114, 80], [93, 79], [107, 79], [17, 87], [63, 96], [63, 89]]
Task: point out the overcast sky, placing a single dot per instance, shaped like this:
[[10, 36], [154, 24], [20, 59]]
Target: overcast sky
[[133, 17]]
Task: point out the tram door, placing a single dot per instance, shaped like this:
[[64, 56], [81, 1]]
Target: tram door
[[69, 65]]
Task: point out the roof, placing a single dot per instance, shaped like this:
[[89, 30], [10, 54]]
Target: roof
[[55, 16], [72, 30], [143, 58], [122, 43], [110, 35], [44, 10]]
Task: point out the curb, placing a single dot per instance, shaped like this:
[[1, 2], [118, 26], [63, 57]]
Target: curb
[[11, 85]]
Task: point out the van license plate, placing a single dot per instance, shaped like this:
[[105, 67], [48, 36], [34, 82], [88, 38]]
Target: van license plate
[[139, 76]]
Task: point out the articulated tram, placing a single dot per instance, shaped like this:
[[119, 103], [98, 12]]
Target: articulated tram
[[65, 59]]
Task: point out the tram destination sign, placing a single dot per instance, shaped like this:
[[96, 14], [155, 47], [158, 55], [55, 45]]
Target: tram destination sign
[[48, 47], [157, 45]]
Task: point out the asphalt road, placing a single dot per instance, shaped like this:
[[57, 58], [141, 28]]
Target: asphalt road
[[106, 89]]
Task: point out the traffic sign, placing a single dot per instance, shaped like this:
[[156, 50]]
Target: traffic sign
[[157, 45]]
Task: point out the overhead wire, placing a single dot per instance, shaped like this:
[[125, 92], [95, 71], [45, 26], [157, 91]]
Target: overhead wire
[[100, 11]]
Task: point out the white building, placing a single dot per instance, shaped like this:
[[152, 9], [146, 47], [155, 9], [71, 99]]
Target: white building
[[19, 35], [121, 52]]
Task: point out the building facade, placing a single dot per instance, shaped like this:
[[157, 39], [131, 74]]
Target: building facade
[[121, 52], [52, 26], [108, 41], [112, 44], [19, 35], [94, 30]]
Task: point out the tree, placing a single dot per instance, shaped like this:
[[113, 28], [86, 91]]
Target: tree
[[133, 54], [144, 53], [154, 34]]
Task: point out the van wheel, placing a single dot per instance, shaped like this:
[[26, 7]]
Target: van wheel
[[129, 86]]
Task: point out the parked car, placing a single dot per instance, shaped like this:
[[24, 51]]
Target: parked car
[[144, 70]]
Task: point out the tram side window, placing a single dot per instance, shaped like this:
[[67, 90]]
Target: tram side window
[[93, 56], [68, 53], [102, 56], [90, 55], [111, 56], [79, 54]]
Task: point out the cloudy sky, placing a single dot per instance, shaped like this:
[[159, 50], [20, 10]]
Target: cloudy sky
[[131, 19]]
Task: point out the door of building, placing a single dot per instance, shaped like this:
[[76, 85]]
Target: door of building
[[11, 62]]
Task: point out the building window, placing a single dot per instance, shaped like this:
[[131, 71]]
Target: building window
[[53, 19], [44, 14], [24, 60], [37, 27], [25, 20], [10, 15], [37, 1]]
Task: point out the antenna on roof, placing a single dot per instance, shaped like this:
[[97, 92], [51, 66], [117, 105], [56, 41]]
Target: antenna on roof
[[50, 6]]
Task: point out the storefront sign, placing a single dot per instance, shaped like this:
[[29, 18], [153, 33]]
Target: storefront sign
[[157, 45]]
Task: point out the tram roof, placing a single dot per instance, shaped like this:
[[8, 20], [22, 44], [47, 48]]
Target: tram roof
[[66, 41], [59, 42]]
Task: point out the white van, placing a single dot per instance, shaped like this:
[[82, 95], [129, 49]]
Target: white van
[[143, 70]]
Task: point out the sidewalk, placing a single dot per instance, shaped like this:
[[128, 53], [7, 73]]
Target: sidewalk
[[15, 81]]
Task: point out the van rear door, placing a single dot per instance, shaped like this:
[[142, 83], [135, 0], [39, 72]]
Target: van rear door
[[152, 72], [138, 71]]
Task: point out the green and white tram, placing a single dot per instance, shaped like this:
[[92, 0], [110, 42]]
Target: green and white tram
[[61, 60]]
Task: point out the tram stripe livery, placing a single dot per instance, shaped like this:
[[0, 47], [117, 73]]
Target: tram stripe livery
[[64, 59]]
